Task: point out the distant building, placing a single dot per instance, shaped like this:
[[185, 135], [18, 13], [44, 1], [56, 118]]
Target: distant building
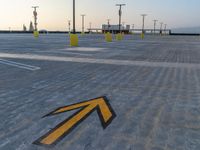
[[24, 28], [115, 28], [31, 28]]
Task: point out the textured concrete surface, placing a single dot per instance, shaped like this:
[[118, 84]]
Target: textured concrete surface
[[152, 84]]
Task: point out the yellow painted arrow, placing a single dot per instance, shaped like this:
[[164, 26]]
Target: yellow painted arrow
[[105, 112]]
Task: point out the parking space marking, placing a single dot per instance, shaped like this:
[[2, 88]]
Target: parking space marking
[[63, 52], [101, 61], [85, 49], [19, 65]]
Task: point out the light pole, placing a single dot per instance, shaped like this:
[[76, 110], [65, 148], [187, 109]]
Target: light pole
[[133, 26], [90, 24], [69, 25], [120, 15], [83, 16], [74, 36], [161, 24], [165, 28], [74, 18], [155, 26], [35, 17], [108, 25], [143, 17]]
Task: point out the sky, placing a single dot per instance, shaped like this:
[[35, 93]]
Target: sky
[[54, 14]]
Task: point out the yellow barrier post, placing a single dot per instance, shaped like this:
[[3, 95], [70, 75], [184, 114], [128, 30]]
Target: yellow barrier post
[[36, 34], [108, 37], [119, 37], [73, 40], [142, 35]]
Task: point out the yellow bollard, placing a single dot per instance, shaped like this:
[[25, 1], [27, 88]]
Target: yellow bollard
[[142, 35], [108, 37], [119, 37], [73, 40], [36, 34]]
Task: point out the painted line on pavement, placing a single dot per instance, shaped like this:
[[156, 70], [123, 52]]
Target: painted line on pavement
[[101, 105], [85, 49], [63, 52], [101, 61], [19, 65]]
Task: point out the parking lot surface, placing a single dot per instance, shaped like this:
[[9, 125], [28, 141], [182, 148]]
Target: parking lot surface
[[152, 87]]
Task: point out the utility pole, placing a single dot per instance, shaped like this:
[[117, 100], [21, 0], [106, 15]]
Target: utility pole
[[90, 24], [133, 26], [108, 25], [74, 17], [83, 23], [161, 24], [35, 17], [74, 36], [69, 26], [155, 26], [120, 15], [143, 17], [165, 28]]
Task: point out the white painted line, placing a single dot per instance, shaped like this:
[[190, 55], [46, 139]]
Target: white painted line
[[85, 49], [19, 65], [63, 52], [101, 61]]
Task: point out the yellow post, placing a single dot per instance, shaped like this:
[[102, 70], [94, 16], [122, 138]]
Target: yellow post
[[36, 34], [142, 35], [108, 37], [119, 37], [73, 40]]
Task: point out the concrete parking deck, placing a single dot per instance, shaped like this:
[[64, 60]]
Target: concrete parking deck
[[152, 85]]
